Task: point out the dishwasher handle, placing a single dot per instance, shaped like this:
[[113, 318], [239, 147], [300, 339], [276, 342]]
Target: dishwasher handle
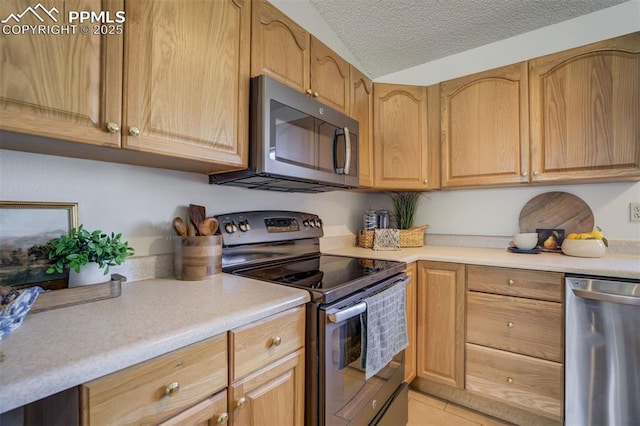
[[607, 297]]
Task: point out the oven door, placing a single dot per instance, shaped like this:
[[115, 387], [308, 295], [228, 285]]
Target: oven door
[[349, 399]]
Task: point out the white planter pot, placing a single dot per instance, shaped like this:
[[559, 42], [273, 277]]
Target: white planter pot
[[89, 274]]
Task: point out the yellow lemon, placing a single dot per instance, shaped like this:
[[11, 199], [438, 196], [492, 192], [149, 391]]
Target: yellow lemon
[[572, 236], [597, 234]]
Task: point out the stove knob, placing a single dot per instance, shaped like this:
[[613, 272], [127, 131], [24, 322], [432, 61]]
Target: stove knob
[[230, 227], [244, 225], [316, 223], [312, 223], [306, 223]]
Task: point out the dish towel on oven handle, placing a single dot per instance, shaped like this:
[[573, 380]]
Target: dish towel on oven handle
[[383, 328]]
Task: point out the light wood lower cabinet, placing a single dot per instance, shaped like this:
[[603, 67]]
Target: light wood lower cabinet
[[440, 322], [271, 396], [206, 413], [154, 390], [410, 351], [267, 371]]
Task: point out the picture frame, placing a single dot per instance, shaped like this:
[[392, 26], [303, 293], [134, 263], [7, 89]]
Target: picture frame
[[550, 239], [25, 226]]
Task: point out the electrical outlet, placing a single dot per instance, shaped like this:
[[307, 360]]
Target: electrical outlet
[[634, 212]]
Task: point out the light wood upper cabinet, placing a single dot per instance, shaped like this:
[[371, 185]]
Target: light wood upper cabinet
[[403, 154], [585, 105], [66, 86], [440, 323], [280, 48], [410, 351], [187, 79], [485, 128], [284, 51], [362, 111]]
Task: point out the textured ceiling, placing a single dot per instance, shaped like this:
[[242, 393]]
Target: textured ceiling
[[386, 36]]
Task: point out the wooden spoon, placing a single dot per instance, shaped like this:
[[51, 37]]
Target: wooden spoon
[[180, 227], [208, 226]]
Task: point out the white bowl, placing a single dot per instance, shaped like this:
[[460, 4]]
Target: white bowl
[[583, 248], [525, 241]]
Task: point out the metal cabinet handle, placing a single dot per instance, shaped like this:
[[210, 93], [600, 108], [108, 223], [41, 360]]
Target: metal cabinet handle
[[241, 402], [276, 341], [316, 94], [511, 282], [113, 127], [222, 418], [426, 181], [172, 389], [510, 380], [525, 174], [309, 92], [134, 131], [510, 324]]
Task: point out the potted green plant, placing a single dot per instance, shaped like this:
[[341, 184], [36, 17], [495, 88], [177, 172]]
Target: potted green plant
[[86, 253], [404, 208]]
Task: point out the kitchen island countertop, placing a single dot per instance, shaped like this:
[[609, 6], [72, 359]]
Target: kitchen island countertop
[[610, 265], [56, 350]]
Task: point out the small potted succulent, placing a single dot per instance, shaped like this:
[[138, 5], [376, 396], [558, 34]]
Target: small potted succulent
[[87, 255]]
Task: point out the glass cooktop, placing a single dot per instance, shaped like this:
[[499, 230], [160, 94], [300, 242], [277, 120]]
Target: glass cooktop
[[325, 274]]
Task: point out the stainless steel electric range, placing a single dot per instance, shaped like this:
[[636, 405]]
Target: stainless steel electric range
[[283, 247]]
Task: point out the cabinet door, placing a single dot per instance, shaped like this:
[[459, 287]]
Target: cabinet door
[[585, 105], [440, 325], [485, 128], [187, 79], [279, 47], [362, 111], [65, 86], [271, 396], [410, 351], [401, 132], [329, 77]]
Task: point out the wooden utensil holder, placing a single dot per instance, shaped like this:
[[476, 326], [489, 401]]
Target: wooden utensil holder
[[197, 258]]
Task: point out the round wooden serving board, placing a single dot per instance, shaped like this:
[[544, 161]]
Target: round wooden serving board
[[556, 210]]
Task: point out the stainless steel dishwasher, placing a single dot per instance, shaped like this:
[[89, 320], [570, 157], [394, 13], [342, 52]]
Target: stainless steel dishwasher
[[602, 351]]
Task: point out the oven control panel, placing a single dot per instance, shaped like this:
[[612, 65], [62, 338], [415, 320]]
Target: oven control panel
[[268, 226]]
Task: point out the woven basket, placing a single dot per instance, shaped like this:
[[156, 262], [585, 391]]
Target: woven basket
[[413, 237]]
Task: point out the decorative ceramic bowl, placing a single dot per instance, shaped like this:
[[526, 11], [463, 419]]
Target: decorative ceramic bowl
[[583, 248], [526, 241]]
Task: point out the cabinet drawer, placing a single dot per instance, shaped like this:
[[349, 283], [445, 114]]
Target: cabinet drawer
[[265, 341], [139, 394], [516, 282], [530, 383], [526, 326], [208, 412]]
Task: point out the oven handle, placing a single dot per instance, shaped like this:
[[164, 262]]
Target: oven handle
[[345, 314]]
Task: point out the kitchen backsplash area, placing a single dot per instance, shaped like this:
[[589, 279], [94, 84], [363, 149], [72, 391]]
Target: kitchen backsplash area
[[140, 202]]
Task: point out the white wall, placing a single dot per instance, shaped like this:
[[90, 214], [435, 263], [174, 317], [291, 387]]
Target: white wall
[[140, 202]]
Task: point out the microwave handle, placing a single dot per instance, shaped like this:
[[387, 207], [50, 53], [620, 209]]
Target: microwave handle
[[344, 170]]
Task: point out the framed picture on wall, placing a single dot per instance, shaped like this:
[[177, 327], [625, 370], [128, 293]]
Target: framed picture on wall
[[25, 227]]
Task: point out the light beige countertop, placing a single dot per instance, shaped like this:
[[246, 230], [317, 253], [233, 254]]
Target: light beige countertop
[[55, 350], [610, 265]]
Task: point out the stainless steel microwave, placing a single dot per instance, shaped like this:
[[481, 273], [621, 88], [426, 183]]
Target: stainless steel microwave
[[296, 144]]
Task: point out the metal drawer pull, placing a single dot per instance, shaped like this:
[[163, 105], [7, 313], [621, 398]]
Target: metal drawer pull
[[510, 324], [511, 282], [172, 389], [241, 402], [509, 380], [276, 341], [222, 418]]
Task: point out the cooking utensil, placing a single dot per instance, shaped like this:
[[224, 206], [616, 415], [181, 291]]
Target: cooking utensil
[[191, 230], [180, 227], [196, 214], [556, 210], [208, 227]]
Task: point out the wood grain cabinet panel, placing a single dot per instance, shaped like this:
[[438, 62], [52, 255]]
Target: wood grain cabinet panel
[[403, 130], [187, 79], [410, 351], [329, 77], [206, 413], [66, 86], [361, 110], [585, 104], [485, 128], [159, 388], [529, 383], [440, 322], [526, 326]]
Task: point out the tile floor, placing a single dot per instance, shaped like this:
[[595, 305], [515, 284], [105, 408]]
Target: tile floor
[[425, 410]]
